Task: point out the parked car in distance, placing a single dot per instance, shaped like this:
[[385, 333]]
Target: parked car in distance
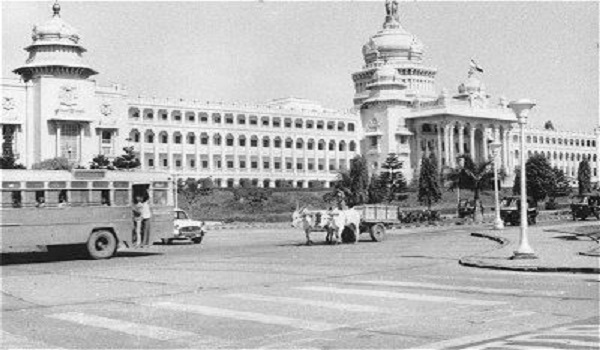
[[184, 228], [510, 211], [585, 205], [466, 207]]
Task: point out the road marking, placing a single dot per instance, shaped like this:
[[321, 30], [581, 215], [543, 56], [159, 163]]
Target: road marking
[[455, 288], [13, 341], [248, 316], [317, 303], [131, 328], [407, 296]]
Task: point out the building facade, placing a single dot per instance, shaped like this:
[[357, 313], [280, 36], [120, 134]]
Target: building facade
[[55, 109]]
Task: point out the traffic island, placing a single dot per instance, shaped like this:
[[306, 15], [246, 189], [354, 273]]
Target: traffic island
[[559, 249]]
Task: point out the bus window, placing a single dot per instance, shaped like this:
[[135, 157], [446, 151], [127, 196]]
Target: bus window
[[63, 199], [96, 198], [160, 197], [79, 197], [121, 197], [17, 201], [105, 198], [40, 199], [140, 191]]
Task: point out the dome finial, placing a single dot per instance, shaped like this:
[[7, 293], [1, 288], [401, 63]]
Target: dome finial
[[56, 9]]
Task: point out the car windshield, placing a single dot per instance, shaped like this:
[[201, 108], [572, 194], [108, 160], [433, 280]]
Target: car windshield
[[508, 202], [180, 215]]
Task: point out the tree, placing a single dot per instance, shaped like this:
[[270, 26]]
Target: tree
[[101, 162], [391, 178], [206, 186], [541, 180], [475, 177], [58, 163], [8, 161], [429, 187], [127, 160], [562, 187], [352, 186], [584, 176], [549, 126], [377, 190]]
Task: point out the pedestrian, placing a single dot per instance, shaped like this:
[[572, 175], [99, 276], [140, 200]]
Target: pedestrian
[[137, 221], [146, 215]]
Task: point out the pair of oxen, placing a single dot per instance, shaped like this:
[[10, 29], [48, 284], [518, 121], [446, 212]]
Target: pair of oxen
[[332, 221]]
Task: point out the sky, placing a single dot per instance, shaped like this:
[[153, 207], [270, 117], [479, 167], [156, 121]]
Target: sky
[[256, 51]]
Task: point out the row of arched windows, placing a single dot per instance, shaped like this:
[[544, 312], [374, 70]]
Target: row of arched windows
[[242, 119], [242, 141], [562, 156], [561, 141]]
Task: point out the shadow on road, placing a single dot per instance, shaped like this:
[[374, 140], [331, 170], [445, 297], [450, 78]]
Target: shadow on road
[[45, 257]]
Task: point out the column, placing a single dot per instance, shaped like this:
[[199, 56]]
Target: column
[[461, 139], [447, 144], [197, 155], [57, 126], [169, 152], [472, 141], [484, 145], [451, 146], [211, 166], [80, 143], [142, 158], [155, 148], [505, 151], [418, 154], [439, 145]]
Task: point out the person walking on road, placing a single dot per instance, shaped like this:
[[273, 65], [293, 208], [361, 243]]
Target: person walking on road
[[146, 215]]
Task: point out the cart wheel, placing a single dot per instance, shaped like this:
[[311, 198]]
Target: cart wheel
[[378, 232]]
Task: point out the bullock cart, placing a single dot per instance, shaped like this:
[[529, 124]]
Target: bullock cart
[[376, 218]]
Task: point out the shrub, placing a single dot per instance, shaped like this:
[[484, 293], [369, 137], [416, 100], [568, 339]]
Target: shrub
[[58, 163]]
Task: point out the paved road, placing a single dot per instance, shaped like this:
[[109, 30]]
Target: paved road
[[263, 289]]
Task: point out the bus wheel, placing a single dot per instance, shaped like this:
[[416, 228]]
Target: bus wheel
[[101, 245]]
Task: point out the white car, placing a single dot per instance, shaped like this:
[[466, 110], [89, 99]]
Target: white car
[[186, 228]]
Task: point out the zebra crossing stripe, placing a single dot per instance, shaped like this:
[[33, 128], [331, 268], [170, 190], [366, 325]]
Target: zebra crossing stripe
[[406, 296], [131, 328], [308, 302], [248, 316], [454, 288]]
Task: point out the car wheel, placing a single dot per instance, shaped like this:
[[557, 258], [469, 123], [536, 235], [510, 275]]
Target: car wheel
[[197, 240]]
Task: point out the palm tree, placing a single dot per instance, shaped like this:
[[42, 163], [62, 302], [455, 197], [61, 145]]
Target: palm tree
[[472, 176]]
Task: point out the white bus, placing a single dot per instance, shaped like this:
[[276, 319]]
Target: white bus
[[87, 210]]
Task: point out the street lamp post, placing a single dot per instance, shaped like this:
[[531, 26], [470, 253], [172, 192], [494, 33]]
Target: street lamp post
[[495, 148], [521, 108]]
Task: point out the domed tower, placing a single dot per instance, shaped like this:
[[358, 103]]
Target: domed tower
[[383, 116], [399, 49], [55, 51], [62, 105]]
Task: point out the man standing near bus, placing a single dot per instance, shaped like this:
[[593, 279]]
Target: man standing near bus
[[146, 214]]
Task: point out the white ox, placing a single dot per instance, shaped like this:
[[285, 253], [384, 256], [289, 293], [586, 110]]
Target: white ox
[[340, 219], [309, 221]]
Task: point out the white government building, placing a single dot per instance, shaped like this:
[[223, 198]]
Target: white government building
[[56, 110]]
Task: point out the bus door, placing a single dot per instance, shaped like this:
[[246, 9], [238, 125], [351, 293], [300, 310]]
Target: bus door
[[141, 190]]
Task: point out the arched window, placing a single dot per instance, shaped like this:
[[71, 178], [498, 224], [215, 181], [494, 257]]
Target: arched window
[[254, 141], [342, 146], [149, 136], [190, 117], [241, 119], [320, 125], [298, 123], [266, 141], [310, 145], [216, 118], [229, 140], [287, 122], [164, 137], [134, 113], [191, 138], [177, 137], [352, 146], [277, 142], [134, 135], [299, 143], [341, 126], [242, 141], [229, 118], [310, 124], [264, 121], [332, 145], [321, 145], [351, 127], [276, 122], [203, 117], [288, 142], [176, 116], [253, 120], [217, 139], [204, 138], [330, 125]]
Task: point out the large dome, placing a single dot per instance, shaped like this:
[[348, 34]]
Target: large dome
[[392, 43]]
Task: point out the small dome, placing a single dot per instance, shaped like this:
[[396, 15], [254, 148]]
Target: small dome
[[472, 85], [55, 29]]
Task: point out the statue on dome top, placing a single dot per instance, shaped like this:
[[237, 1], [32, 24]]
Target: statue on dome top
[[391, 9]]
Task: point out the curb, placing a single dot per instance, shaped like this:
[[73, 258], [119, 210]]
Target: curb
[[478, 263]]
